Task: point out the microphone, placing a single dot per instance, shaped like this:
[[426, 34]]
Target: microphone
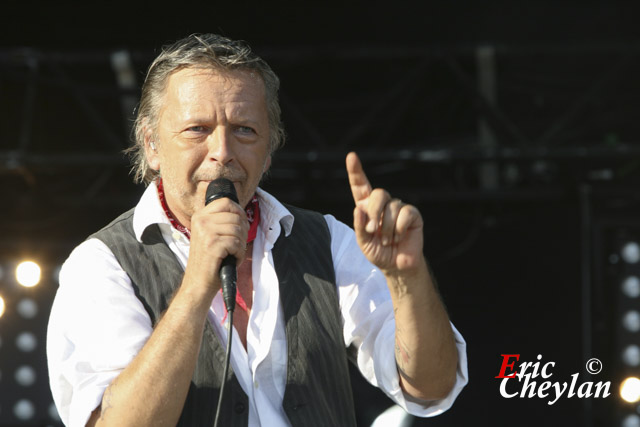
[[218, 189]]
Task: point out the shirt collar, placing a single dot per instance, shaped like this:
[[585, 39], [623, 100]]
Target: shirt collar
[[148, 211], [273, 212]]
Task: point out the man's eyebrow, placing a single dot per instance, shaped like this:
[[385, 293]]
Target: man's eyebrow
[[248, 121]]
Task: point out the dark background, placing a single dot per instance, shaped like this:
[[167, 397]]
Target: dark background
[[527, 192]]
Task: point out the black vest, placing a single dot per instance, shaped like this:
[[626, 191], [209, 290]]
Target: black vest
[[318, 390]]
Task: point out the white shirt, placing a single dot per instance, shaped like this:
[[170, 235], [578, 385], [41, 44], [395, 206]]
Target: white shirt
[[98, 325]]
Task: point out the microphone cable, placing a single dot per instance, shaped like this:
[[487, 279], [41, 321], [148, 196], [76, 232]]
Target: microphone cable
[[226, 365]]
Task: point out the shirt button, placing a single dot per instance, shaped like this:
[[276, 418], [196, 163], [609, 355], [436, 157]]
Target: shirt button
[[255, 383], [176, 235], [239, 408]]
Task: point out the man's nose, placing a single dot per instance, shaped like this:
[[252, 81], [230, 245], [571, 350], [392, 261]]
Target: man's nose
[[220, 145]]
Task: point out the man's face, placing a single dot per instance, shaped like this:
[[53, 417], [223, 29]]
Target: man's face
[[211, 124]]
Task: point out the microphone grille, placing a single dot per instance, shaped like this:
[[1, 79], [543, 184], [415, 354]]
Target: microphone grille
[[219, 188]]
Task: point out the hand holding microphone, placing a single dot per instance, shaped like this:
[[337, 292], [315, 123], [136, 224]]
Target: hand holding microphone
[[219, 232], [218, 189]]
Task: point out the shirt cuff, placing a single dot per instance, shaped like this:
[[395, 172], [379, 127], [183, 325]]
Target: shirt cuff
[[83, 404], [389, 380]]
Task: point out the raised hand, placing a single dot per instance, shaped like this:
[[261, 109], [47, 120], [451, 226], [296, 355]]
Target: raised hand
[[388, 231]]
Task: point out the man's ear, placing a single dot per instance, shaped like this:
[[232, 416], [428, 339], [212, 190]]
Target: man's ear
[[151, 150]]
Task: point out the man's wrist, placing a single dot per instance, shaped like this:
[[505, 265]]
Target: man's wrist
[[408, 281]]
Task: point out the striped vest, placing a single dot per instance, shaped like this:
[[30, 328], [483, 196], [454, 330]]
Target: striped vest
[[318, 390]]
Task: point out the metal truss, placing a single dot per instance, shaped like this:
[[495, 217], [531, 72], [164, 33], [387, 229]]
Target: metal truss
[[462, 121]]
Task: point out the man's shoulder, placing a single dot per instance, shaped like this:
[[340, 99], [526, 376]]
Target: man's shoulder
[[312, 217], [123, 220], [298, 211], [94, 247], [89, 259]]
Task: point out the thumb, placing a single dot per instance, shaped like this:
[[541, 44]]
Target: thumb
[[360, 222]]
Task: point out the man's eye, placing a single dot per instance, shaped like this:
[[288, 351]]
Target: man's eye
[[198, 129], [245, 130]]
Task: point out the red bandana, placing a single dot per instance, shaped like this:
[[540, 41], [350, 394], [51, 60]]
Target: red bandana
[[253, 215]]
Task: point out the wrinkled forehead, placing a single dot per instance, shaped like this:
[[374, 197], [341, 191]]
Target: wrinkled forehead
[[199, 90], [227, 79]]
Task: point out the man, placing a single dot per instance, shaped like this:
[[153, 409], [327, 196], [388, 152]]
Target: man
[[136, 330]]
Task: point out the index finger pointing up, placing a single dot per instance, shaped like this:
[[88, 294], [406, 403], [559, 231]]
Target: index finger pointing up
[[360, 186]]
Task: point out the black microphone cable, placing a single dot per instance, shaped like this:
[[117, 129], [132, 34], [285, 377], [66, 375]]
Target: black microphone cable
[[226, 367], [217, 189]]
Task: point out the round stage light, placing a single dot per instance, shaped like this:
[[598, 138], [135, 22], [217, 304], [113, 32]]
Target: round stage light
[[53, 412], [631, 355], [631, 287], [631, 420], [27, 308], [28, 274], [24, 409], [631, 252], [2, 305], [26, 342], [630, 389], [631, 321], [25, 376]]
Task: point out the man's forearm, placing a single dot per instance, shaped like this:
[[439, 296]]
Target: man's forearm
[[152, 389], [426, 354]]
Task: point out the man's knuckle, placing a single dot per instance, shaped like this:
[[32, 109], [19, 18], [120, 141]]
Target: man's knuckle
[[378, 192]]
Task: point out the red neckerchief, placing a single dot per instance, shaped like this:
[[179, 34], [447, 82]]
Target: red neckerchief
[[253, 215]]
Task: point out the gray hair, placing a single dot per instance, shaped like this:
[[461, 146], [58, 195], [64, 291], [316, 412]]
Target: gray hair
[[205, 51]]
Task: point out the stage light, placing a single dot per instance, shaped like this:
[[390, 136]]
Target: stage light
[[56, 274], [631, 252], [26, 342], [53, 412], [28, 274], [631, 420], [630, 389], [25, 375], [631, 287], [24, 409], [27, 308], [631, 355], [1, 306], [631, 321]]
